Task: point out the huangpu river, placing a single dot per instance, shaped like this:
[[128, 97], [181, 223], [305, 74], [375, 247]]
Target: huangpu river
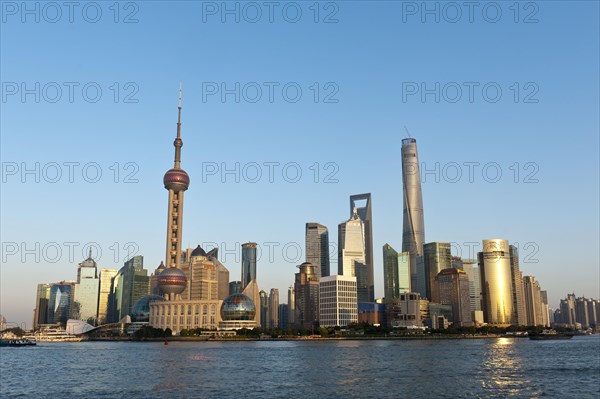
[[450, 368]]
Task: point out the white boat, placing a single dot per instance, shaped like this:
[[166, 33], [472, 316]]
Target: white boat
[[55, 335]]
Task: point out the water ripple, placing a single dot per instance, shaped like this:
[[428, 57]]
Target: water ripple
[[490, 368]]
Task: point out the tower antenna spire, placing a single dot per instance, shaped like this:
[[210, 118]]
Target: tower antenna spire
[[178, 143], [407, 132], [180, 94]]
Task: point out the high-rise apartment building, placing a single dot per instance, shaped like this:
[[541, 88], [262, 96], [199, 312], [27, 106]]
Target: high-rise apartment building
[[547, 313], [291, 306], [338, 304], [317, 248], [306, 297], [536, 313], [453, 289], [273, 308], [518, 290], [472, 269], [396, 273], [592, 306], [578, 312], [362, 204], [264, 309], [351, 254], [567, 310], [581, 312], [413, 224]]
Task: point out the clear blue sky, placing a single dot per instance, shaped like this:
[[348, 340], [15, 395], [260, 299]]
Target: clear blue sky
[[369, 61]]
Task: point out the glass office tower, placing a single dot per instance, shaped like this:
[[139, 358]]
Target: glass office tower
[[60, 302], [436, 257], [248, 263], [396, 273], [362, 204], [413, 231], [317, 248], [85, 305]]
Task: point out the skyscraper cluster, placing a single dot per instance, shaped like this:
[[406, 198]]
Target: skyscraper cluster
[[96, 298], [424, 285], [424, 279], [578, 312]]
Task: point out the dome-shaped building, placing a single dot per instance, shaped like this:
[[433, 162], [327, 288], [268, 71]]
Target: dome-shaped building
[[172, 281], [237, 312], [141, 310]]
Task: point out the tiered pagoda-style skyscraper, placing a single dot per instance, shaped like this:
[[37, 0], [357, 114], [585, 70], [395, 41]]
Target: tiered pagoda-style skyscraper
[[172, 281]]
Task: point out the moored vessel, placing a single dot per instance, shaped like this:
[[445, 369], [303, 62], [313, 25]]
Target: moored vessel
[[16, 342], [56, 335], [550, 334]]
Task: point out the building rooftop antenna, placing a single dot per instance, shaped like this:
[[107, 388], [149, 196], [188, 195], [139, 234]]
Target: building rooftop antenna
[[407, 132]]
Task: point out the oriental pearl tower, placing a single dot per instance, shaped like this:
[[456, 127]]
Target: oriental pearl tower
[[172, 281]]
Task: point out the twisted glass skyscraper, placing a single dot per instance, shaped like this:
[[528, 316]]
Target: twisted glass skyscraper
[[413, 232]]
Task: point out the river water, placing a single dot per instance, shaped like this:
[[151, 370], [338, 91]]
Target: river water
[[463, 368]]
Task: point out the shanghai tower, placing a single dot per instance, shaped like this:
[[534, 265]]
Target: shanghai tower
[[413, 232]]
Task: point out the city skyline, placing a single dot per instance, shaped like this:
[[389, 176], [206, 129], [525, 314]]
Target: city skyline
[[353, 144], [364, 184], [250, 245]]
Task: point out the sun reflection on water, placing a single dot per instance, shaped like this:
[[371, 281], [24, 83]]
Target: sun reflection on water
[[503, 373]]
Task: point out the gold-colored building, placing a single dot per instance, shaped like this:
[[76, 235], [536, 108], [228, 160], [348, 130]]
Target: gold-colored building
[[496, 283], [106, 275]]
